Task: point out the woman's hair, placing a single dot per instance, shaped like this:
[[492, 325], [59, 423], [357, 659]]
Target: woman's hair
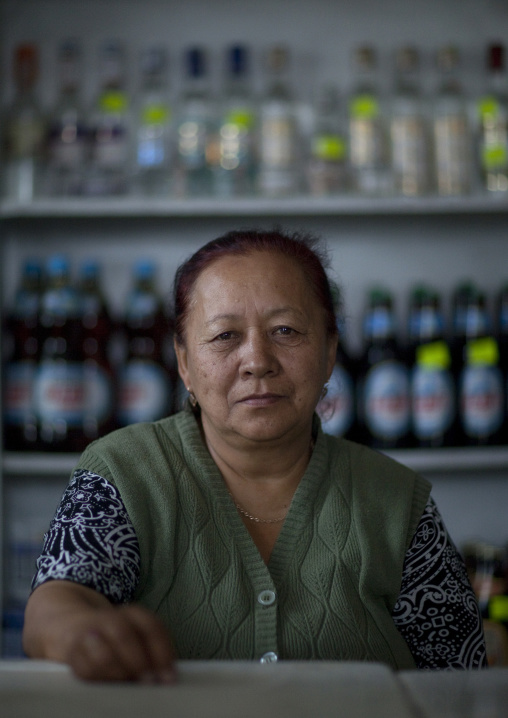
[[302, 248]]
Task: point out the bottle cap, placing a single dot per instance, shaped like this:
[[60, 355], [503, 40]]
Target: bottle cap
[[495, 57], [238, 60], [196, 62]]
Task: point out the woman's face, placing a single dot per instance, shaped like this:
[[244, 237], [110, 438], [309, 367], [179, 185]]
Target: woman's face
[[256, 352]]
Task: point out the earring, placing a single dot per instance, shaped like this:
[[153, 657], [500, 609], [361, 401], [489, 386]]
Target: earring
[[192, 399], [324, 392]]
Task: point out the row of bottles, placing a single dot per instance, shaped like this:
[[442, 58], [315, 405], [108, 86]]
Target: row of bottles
[[436, 389], [237, 144], [72, 372]]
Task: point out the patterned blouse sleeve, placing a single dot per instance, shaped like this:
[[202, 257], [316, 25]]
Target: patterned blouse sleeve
[[437, 611], [91, 540]]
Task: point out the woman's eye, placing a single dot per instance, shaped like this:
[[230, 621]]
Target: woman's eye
[[285, 331], [224, 336]]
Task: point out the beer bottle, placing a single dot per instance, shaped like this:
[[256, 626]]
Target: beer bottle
[[502, 329], [59, 388], [99, 381], [145, 389], [336, 408], [481, 391], [433, 404], [23, 346], [383, 385]]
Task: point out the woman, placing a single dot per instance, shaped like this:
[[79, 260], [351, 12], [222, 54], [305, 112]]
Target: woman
[[237, 529]]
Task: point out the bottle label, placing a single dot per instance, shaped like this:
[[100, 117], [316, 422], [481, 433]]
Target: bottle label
[[379, 322], [145, 392], [481, 397], [331, 148], [98, 396], [155, 115], [409, 154], [277, 140], [336, 409], [386, 400], [18, 394], [67, 147], [59, 392], [113, 102], [110, 147], [364, 106], [433, 403]]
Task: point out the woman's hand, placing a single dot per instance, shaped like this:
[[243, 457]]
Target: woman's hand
[[122, 644], [76, 625]]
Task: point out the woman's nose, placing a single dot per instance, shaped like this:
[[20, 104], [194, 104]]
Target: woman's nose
[[258, 356]]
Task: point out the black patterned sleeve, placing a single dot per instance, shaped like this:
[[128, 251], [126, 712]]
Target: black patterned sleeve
[[437, 611], [91, 540]]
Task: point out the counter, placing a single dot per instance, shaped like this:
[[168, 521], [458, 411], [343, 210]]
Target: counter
[[30, 689]]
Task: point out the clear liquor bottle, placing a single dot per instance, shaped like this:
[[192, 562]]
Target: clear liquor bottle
[[368, 137], [409, 128], [234, 156], [24, 130], [194, 128], [452, 131], [327, 171], [68, 137], [278, 167], [110, 126], [493, 124], [153, 145]]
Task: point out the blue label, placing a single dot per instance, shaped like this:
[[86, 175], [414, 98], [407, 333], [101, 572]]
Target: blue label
[[386, 402], [59, 392], [336, 409], [145, 392], [481, 400], [432, 402], [18, 392]]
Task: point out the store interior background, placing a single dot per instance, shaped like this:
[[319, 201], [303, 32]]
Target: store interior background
[[398, 246]]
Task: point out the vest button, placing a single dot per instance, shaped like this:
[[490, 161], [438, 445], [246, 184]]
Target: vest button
[[269, 657], [266, 598]]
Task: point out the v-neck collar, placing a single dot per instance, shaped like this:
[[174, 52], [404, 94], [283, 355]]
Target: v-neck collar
[[300, 510]]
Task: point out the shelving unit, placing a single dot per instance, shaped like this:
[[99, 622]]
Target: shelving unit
[[394, 241]]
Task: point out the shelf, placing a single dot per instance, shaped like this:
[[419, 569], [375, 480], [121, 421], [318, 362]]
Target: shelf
[[346, 205], [448, 461]]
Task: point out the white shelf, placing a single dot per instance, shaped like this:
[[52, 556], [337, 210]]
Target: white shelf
[[344, 205], [447, 461]]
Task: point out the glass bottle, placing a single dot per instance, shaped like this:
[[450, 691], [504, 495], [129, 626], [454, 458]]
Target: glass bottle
[[409, 130], [480, 382], [23, 337], [145, 387], [99, 410], [24, 130], [433, 392], [194, 128], [234, 157], [58, 386], [68, 137], [110, 126], [368, 136], [493, 124], [452, 132], [502, 337], [327, 172], [336, 408], [153, 146], [383, 384], [278, 168]]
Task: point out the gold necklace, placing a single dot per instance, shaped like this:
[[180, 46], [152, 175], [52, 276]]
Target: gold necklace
[[255, 518]]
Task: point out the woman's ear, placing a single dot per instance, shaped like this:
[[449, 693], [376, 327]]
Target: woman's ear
[[181, 357]]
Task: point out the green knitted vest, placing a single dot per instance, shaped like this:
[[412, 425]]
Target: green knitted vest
[[335, 571]]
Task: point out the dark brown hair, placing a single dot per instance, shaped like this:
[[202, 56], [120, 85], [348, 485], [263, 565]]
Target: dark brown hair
[[301, 248]]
